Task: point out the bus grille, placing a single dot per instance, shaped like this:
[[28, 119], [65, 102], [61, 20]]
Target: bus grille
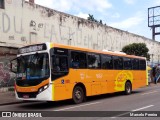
[[28, 83], [29, 94]]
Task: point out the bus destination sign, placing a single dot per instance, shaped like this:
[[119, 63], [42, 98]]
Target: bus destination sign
[[32, 48]]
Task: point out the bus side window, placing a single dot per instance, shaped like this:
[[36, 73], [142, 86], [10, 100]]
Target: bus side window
[[94, 61], [142, 64], [78, 60], [118, 63], [107, 62], [135, 64], [60, 64], [64, 64], [127, 63]]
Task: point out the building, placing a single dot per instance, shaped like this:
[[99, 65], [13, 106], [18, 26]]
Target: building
[[25, 23]]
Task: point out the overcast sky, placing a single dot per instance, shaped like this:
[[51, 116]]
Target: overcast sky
[[128, 15]]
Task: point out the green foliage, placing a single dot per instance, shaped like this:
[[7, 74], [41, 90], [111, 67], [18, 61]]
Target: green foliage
[[91, 18], [138, 49]]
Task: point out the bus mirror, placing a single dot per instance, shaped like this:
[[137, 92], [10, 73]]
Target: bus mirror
[[14, 65]]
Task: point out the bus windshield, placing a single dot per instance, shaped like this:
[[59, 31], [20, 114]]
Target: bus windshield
[[33, 66]]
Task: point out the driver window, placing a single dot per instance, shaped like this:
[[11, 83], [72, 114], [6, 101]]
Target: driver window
[[60, 64]]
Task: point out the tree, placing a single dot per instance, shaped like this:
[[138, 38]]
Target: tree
[[91, 18], [138, 49]]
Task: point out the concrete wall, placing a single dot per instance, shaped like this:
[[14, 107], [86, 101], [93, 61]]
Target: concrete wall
[[6, 77], [23, 23]]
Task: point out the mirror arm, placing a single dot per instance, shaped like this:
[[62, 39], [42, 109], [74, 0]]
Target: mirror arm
[[11, 65]]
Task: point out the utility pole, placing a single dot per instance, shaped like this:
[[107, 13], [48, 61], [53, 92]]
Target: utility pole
[[153, 33]]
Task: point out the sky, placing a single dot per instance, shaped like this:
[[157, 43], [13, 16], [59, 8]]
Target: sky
[[127, 15]]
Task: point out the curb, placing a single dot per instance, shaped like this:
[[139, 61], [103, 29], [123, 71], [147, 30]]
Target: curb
[[11, 103], [16, 102], [6, 89]]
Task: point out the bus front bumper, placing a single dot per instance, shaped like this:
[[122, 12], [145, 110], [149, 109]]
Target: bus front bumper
[[45, 95]]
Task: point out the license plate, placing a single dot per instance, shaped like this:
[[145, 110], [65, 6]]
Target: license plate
[[25, 96]]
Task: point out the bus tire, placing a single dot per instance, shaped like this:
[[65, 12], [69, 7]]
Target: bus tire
[[50, 102], [128, 88], [78, 95]]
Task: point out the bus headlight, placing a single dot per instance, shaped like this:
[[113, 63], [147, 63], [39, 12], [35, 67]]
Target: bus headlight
[[40, 90], [43, 88], [46, 86]]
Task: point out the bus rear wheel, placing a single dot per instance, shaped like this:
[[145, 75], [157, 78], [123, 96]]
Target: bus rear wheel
[[128, 88], [78, 95]]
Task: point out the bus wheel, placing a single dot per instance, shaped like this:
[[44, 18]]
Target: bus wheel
[[50, 102], [128, 88], [78, 95]]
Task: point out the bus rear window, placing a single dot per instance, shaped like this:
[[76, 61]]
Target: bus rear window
[[142, 64]]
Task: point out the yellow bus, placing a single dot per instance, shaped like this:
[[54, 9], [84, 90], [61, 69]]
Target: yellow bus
[[53, 72]]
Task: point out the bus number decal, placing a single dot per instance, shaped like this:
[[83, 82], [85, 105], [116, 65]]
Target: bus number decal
[[82, 75], [99, 75]]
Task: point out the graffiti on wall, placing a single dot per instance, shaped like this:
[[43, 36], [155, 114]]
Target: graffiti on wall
[[77, 34], [77, 37], [4, 73], [9, 1], [11, 37], [23, 39], [36, 26], [6, 77], [61, 33], [7, 23]]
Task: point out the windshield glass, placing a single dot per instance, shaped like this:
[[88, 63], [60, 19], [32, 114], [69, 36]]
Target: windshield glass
[[34, 66]]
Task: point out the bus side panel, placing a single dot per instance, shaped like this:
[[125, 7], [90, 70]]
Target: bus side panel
[[97, 82], [139, 79], [108, 81], [62, 92], [136, 77], [63, 87], [120, 78]]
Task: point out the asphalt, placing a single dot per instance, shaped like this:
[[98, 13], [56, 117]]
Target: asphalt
[[8, 97], [143, 99]]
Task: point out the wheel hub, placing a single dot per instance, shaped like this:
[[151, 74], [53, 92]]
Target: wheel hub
[[78, 94], [128, 88]]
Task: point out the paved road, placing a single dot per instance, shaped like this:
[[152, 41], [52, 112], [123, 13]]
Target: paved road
[[143, 99]]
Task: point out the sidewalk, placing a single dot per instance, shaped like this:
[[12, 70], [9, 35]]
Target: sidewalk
[[153, 84], [7, 97]]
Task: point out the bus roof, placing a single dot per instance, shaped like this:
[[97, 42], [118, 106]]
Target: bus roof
[[95, 51]]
